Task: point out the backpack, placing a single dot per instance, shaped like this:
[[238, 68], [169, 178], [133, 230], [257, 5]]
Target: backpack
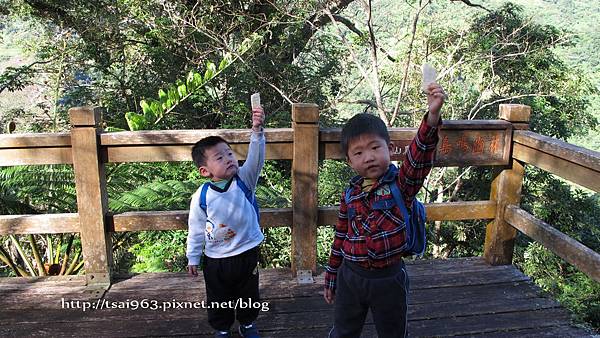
[[416, 239], [247, 192]]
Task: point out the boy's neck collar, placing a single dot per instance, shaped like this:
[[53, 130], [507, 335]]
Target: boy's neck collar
[[389, 176]]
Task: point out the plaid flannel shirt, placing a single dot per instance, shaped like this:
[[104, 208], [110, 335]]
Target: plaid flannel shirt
[[373, 237]]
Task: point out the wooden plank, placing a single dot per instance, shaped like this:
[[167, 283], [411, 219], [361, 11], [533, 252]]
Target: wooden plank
[[35, 156], [305, 167], [39, 224], [177, 220], [571, 171], [305, 113], [407, 134], [563, 331], [40, 281], [86, 116], [499, 235], [517, 306], [455, 211], [92, 199], [468, 325], [170, 153], [572, 251], [584, 157], [506, 189], [35, 140], [514, 112], [450, 211], [457, 147], [189, 137]]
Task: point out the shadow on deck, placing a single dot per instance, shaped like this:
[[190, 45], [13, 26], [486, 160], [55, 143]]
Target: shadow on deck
[[447, 298]]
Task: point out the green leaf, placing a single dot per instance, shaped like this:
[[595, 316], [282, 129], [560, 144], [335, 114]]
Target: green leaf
[[162, 96], [197, 80], [173, 96], [136, 121], [145, 106], [190, 78], [182, 91], [225, 62], [156, 108], [211, 69]]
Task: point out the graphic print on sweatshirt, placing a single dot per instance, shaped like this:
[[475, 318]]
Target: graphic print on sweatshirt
[[218, 234]]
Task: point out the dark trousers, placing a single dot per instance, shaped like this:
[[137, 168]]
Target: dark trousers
[[227, 279], [384, 291]]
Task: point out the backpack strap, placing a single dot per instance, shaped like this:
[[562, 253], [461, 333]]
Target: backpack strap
[[203, 191], [400, 202], [247, 192], [249, 195]]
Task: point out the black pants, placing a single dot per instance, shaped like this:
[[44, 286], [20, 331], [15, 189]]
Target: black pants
[[384, 291], [227, 279]]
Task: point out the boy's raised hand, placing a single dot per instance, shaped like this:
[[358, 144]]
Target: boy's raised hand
[[193, 270], [258, 118], [435, 100]]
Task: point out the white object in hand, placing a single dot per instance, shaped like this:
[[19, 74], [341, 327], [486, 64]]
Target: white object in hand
[[429, 76], [255, 100]]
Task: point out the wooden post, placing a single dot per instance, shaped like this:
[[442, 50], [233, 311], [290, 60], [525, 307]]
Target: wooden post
[[506, 190], [305, 166], [92, 199]]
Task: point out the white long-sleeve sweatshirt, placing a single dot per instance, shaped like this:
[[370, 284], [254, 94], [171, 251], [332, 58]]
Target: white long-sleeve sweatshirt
[[230, 224]]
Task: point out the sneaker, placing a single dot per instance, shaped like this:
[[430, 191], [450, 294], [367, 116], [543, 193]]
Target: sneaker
[[222, 334], [249, 331]]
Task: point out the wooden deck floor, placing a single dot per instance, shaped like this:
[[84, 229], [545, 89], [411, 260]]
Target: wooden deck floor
[[458, 297]]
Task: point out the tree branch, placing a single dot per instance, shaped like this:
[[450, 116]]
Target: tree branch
[[470, 4]]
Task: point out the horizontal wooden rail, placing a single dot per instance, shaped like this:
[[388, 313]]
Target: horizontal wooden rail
[[462, 143], [176, 153], [39, 224], [35, 149], [176, 145], [572, 251], [576, 164], [451, 211], [177, 220], [189, 137], [35, 140]]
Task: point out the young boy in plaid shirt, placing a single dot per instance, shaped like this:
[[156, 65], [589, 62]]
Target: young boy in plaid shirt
[[365, 269]]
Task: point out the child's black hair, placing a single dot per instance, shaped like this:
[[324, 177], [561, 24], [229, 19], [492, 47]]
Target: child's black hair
[[363, 124], [201, 146]]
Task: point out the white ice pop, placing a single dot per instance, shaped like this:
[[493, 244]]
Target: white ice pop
[[255, 100], [429, 76]]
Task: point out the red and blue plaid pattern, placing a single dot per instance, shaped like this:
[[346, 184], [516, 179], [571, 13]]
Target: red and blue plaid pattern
[[375, 235]]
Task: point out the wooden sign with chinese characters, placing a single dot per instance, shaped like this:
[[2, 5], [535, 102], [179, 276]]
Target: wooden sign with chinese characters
[[461, 143]]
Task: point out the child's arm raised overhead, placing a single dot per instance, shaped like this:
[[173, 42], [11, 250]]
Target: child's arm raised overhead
[[418, 160], [250, 171]]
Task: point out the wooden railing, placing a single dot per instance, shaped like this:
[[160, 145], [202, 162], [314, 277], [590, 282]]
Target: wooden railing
[[504, 144]]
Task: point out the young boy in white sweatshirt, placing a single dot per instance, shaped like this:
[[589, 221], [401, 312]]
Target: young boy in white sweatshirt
[[224, 224]]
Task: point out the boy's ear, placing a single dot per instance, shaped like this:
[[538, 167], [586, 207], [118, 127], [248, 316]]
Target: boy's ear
[[204, 171]]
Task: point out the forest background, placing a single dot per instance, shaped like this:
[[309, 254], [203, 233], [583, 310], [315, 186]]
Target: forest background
[[186, 65]]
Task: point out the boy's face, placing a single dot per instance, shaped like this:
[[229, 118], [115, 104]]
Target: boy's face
[[221, 163], [369, 155]]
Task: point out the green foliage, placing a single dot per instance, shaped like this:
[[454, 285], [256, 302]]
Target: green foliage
[[159, 251], [571, 287], [154, 110], [275, 249], [50, 189], [333, 180], [136, 56]]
